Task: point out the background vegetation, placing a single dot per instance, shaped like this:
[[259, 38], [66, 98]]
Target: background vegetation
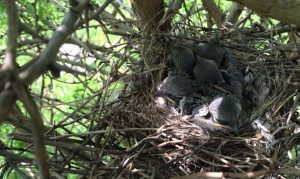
[[77, 79]]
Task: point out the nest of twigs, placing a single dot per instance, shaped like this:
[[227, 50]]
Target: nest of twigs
[[150, 142], [131, 137]]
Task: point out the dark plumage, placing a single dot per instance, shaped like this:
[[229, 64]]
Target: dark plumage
[[175, 87], [213, 50], [234, 68], [232, 84], [182, 58], [207, 71], [226, 110], [186, 105]]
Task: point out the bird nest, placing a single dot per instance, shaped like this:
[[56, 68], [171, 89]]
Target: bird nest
[[133, 137], [148, 141]]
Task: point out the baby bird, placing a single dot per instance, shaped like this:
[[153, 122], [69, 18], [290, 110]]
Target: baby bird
[[213, 50], [182, 58], [225, 110], [207, 71], [232, 84], [175, 87]]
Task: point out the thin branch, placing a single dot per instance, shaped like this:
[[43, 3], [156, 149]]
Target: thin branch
[[293, 109], [95, 15], [173, 9], [244, 19], [278, 31], [7, 101], [48, 56], [67, 69], [37, 127], [66, 145]]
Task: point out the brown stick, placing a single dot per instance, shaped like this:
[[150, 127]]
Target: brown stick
[[48, 56], [37, 128], [286, 11], [214, 11]]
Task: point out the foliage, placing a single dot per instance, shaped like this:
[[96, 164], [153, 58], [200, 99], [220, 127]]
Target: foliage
[[104, 53]]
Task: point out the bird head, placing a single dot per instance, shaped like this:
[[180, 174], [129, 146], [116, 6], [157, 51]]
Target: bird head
[[225, 111]]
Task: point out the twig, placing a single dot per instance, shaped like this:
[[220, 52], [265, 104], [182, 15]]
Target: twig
[[48, 56], [244, 19], [293, 109], [69, 146], [37, 127], [102, 132]]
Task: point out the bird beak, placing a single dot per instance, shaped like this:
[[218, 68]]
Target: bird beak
[[170, 100], [222, 126]]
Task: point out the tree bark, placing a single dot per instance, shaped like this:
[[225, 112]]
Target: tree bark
[[287, 11], [151, 14], [235, 12], [214, 11]]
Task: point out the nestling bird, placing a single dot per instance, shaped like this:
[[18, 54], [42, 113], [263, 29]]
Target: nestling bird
[[175, 86], [234, 68], [186, 105], [207, 71], [213, 50], [182, 58], [201, 111], [232, 84], [225, 110]]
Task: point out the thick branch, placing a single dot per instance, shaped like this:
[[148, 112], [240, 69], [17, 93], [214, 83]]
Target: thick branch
[[150, 13], [235, 12], [286, 11], [214, 11], [12, 34], [48, 56], [7, 99]]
